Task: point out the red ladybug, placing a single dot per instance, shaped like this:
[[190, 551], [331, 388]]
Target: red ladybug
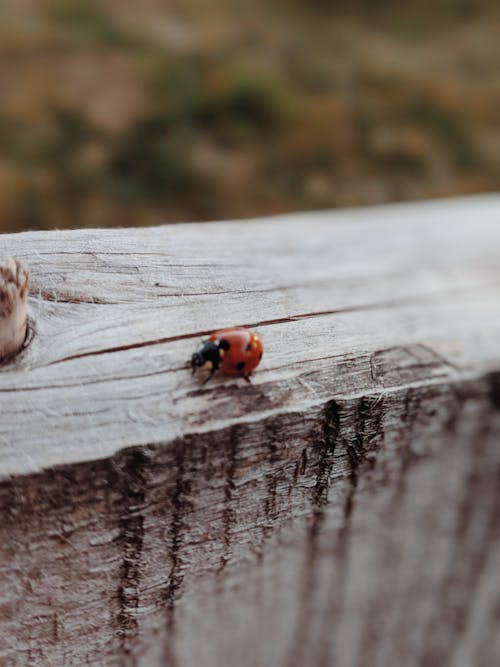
[[238, 351]]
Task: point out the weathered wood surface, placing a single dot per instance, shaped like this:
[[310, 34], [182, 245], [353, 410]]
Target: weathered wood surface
[[342, 510]]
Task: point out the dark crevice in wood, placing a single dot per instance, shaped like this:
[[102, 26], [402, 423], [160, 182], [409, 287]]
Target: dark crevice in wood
[[354, 462], [356, 449], [395, 303], [331, 427], [366, 414], [273, 442], [179, 505], [300, 468], [411, 410], [326, 442], [131, 472], [368, 438], [228, 514], [356, 452], [494, 386]]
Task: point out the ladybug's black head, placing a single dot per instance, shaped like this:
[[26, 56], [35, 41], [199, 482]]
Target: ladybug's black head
[[209, 352]]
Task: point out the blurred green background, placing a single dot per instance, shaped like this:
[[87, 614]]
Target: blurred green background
[[120, 112]]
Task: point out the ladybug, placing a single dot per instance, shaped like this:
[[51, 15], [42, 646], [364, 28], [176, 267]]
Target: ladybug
[[237, 351]]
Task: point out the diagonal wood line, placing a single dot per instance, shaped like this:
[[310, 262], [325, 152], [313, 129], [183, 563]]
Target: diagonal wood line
[[390, 303]]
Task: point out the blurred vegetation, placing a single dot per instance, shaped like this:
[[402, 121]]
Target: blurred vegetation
[[120, 113]]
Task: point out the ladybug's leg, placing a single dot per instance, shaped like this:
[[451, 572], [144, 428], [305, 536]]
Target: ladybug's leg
[[215, 366], [209, 376], [247, 379]]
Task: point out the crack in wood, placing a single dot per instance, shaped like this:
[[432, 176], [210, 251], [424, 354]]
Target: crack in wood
[[273, 435], [326, 442], [367, 417], [383, 304], [273, 442], [300, 467], [494, 386], [361, 436], [180, 504], [131, 470], [410, 411], [229, 515]]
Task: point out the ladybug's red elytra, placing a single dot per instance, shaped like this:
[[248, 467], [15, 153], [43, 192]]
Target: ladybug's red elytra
[[237, 351]]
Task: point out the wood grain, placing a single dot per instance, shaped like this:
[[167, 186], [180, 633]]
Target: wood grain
[[341, 510]]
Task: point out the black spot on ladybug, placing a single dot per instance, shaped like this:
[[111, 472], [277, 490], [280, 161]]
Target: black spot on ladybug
[[240, 365], [248, 347], [224, 344]]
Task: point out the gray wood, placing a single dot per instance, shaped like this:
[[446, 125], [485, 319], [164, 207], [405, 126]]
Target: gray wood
[[341, 510]]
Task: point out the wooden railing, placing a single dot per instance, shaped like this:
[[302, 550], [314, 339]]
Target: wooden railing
[[343, 509]]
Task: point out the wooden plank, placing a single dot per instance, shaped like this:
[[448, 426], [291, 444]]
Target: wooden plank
[[181, 280], [186, 509], [324, 295]]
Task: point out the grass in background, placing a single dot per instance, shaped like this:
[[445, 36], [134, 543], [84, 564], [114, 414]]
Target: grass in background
[[116, 113]]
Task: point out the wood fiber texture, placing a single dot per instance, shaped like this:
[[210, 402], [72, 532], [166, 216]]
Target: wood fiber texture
[[342, 510]]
